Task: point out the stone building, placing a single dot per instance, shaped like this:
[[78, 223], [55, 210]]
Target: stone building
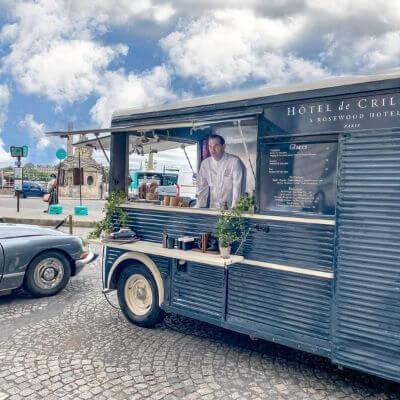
[[90, 174]]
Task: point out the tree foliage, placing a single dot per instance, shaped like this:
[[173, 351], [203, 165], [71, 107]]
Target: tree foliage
[[113, 214]]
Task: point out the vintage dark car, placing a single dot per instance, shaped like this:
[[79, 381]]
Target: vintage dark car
[[41, 260]]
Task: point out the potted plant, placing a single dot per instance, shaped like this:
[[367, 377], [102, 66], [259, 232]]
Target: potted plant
[[229, 229], [113, 213], [246, 204]]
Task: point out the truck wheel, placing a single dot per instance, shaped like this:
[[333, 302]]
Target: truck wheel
[[138, 296], [47, 274]]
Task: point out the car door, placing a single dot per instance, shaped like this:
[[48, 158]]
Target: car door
[[35, 190], [1, 262], [26, 187]]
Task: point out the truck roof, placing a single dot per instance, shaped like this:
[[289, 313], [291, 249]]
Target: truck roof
[[258, 93]]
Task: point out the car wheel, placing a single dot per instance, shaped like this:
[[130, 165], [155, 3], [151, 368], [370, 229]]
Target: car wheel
[[138, 296], [47, 274]]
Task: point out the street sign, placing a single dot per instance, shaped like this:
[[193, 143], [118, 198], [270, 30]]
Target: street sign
[[24, 151], [61, 154], [18, 184], [19, 151], [16, 151], [18, 173]]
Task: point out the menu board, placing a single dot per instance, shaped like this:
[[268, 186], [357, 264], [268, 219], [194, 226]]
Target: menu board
[[299, 177]]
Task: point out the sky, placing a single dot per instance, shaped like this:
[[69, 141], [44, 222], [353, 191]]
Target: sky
[[79, 60]]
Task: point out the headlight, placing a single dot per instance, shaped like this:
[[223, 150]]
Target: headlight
[[83, 255]]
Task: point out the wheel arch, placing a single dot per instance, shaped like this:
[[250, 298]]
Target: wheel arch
[[142, 258], [56, 250]]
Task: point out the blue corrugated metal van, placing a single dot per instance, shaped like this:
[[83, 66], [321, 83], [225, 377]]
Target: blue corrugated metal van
[[320, 268]]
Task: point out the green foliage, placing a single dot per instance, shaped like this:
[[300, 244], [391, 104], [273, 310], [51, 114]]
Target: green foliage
[[106, 174], [229, 227], [112, 210], [246, 203]]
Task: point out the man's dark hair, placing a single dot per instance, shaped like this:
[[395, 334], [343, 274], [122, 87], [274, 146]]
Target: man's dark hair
[[219, 137]]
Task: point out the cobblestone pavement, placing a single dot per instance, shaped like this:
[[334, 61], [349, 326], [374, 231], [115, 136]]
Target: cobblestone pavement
[[76, 346]]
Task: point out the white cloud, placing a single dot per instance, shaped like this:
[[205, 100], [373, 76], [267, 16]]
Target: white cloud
[[54, 46], [234, 46], [369, 53], [65, 71], [4, 101], [121, 90], [5, 157], [35, 130], [231, 43], [99, 156], [56, 49]]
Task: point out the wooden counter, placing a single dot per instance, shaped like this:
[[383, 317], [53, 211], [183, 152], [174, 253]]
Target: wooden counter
[[156, 249]]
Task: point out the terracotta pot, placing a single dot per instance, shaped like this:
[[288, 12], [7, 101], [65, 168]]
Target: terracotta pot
[[150, 196], [225, 251], [167, 200], [174, 201]]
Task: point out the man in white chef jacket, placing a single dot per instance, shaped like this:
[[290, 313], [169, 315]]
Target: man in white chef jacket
[[220, 177]]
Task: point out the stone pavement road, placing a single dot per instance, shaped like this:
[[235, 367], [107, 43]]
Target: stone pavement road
[[76, 346]]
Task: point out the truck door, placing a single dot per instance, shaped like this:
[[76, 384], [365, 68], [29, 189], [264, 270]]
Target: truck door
[[367, 302]]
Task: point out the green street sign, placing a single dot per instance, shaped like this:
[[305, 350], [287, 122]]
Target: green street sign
[[61, 154], [19, 151]]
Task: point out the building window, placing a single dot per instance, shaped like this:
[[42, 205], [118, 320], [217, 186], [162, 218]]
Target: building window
[[78, 177], [90, 180]]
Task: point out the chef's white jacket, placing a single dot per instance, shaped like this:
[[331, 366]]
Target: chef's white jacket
[[222, 180]]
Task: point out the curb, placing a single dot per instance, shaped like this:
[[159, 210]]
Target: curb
[[47, 222]]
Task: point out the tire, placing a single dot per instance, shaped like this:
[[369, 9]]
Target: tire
[[47, 274], [138, 296]]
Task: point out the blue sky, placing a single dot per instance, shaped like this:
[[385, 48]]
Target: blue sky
[[70, 60]]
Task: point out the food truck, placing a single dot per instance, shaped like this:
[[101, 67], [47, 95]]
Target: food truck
[[319, 269]]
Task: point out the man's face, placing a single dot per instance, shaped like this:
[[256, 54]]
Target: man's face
[[216, 149]]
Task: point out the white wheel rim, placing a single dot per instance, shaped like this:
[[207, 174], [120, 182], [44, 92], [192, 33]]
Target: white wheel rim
[[138, 294], [49, 273]]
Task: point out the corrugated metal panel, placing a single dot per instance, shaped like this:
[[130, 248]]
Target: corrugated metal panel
[[297, 304], [367, 313], [200, 289], [289, 243], [294, 244], [164, 266], [112, 254], [149, 225]]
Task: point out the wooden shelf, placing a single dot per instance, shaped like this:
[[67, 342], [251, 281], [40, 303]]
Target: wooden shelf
[[157, 250]]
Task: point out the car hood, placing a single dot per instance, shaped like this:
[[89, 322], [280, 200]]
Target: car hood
[[19, 230]]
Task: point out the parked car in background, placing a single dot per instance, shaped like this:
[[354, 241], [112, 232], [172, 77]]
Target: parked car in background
[[32, 189], [41, 260]]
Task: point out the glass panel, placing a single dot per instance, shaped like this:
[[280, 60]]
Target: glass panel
[[234, 145], [298, 176]]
